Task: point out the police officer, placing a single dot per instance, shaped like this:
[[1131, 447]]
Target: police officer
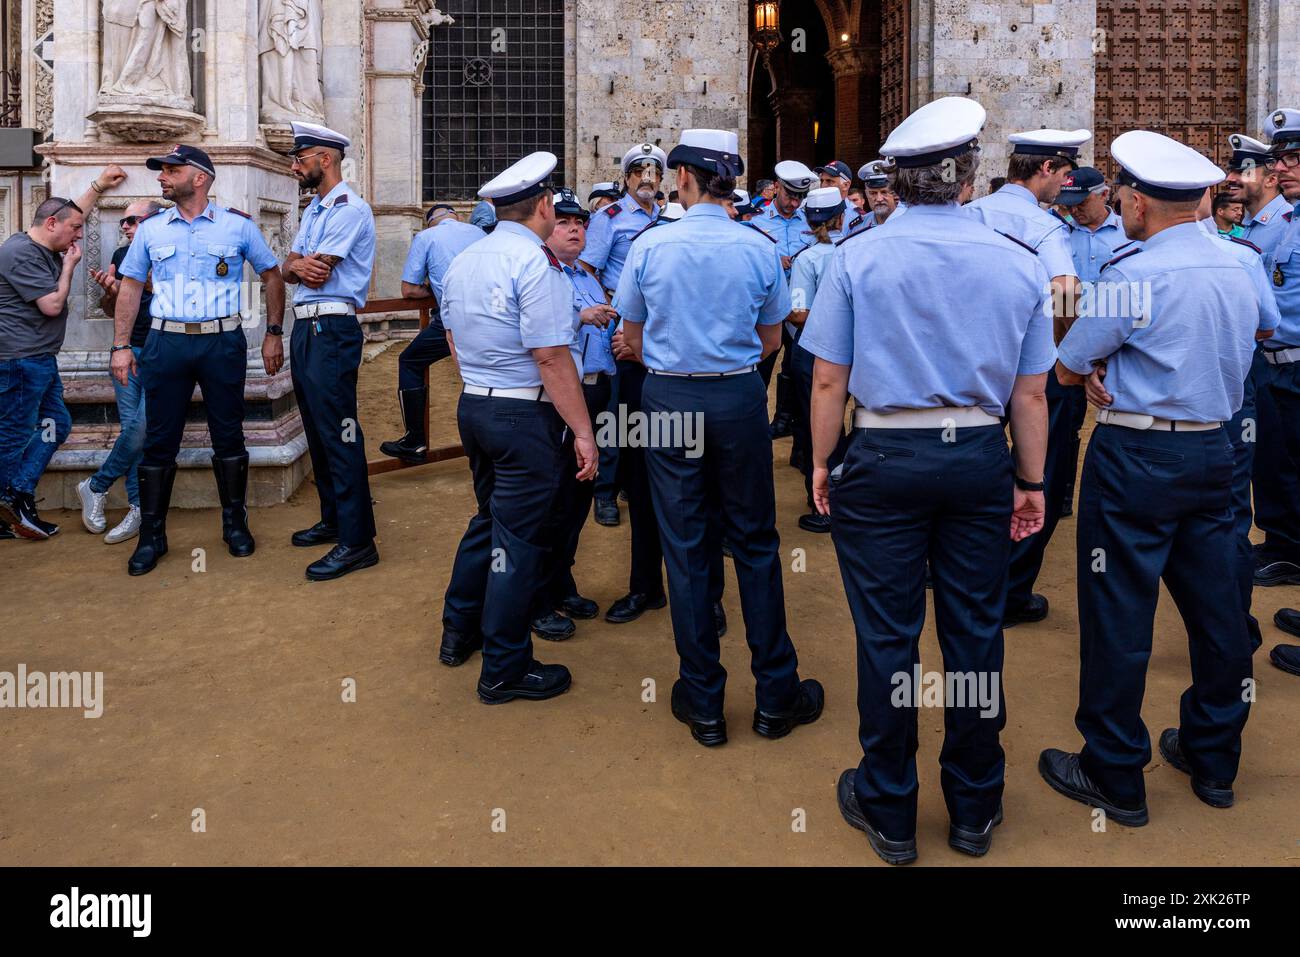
[[881, 198], [825, 210], [559, 601], [508, 309], [743, 207], [196, 252], [1040, 163], [602, 194], [835, 175], [927, 472], [1282, 352], [330, 263], [704, 370], [1156, 490], [431, 253], [612, 230]]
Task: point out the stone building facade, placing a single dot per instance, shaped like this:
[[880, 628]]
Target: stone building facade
[[438, 96]]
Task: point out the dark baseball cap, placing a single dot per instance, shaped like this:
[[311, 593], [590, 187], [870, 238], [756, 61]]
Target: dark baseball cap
[[836, 168], [182, 155], [1079, 186], [566, 204]]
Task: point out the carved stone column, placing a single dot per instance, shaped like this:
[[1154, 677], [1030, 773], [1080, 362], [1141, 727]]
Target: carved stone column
[[856, 69]]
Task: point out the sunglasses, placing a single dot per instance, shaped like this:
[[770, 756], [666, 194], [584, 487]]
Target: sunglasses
[[126, 221], [67, 204]]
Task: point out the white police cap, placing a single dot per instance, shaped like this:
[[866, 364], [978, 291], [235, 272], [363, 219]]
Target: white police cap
[[520, 181], [610, 190], [672, 212], [823, 204], [1247, 152], [795, 176], [942, 129], [714, 150], [1161, 167], [1062, 143], [1284, 127], [875, 174], [313, 134], [645, 153]]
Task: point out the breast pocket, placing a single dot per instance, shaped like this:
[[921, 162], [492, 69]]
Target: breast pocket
[[222, 261], [162, 261]]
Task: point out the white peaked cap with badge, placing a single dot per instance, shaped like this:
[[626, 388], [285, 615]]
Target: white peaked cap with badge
[[646, 152], [520, 180], [313, 134], [942, 129], [1063, 143], [875, 170], [740, 197], [823, 203], [1161, 167], [795, 175], [1284, 126], [1240, 141], [717, 151], [672, 212]]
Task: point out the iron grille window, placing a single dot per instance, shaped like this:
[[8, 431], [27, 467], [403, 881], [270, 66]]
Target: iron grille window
[[493, 92]]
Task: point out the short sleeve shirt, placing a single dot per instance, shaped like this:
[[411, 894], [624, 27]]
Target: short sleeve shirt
[[28, 271]]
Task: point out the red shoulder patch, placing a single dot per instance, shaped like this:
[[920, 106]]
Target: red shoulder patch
[[613, 209], [238, 212], [1245, 242], [1287, 216], [551, 256]]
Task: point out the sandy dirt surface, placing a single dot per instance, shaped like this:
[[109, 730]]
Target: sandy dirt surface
[[223, 690]]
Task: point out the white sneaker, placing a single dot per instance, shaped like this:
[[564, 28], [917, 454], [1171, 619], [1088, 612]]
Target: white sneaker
[[128, 528], [92, 507]]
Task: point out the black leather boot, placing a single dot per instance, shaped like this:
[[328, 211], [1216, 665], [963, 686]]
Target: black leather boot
[[155, 497], [232, 485], [410, 447]]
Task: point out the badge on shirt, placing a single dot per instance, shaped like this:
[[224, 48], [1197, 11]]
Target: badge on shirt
[[1278, 278], [222, 268]]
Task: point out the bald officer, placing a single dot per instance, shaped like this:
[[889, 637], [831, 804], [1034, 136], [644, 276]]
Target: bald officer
[[1041, 161], [195, 252], [508, 309], [1156, 493], [704, 372], [330, 263], [927, 473]]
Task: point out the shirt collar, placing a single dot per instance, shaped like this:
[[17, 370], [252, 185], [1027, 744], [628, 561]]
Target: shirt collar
[[931, 209], [707, 209], [1274, 206], [1173, 233], [517, 229], [1015, 189], [209, 211], [629, 203], [776, 213], [330, 198], [1111, 220]]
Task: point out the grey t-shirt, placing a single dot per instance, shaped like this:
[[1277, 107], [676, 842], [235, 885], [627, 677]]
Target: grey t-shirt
[[28, 271]]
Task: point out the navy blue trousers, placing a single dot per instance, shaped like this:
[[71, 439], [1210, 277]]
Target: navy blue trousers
[[646, 574], [905, 496], [1027, 554], [1153, 505], [171, 364], [801, 373], [1243, 427], [729, 486], [421, 352], [324, 366], [1275, 475], [517, 450]]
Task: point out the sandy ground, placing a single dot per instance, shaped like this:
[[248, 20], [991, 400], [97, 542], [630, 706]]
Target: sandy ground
[[223, 691]]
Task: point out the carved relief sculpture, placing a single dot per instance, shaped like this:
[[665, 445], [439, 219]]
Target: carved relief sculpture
[[289, 45], [144, 93]]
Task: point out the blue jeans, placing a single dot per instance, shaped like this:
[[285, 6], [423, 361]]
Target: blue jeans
[[129, 447], [31, 398]]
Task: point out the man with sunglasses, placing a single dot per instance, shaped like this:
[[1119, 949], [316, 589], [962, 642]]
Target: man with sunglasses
[[36, 268]]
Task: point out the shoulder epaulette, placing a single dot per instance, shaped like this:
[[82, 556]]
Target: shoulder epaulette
[[1019, 242], [551, 256], [238, 212], [613, 209], [1244, 242], [1287, 215], [341, 199], [650, 225], [761, 231], [1132, 252], [151, 215], [798, 254], [864, 230], [854, 225], [1124, 246]]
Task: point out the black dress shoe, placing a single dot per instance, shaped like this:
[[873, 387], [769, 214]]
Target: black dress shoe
[[1213, 793], [719, 619], [1271, 570], [538, 683], [554, 627], [1062, 771], [1288, 619], [798, 459], [341, 560], [1286, 657], [457, 646], [815, 522], [632, 606], [891, 852], [318, 534], [575, 606], [974, 841], [806, 708], [1033, 610], [710, 732], [606, 511], [781, 426]]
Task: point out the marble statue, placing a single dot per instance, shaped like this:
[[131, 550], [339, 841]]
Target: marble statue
[[146, 51], [289, 45]]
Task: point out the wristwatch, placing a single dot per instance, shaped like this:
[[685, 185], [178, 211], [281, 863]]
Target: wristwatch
[[1029, 486], [275, 330]]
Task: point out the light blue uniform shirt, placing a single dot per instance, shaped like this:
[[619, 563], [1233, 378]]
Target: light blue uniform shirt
[[432, 251], [502, 297], [1180, 346], [1014, 210], [701, 285], [1284, 264], [791, 234], [1092, 249], [610, 235], [1266, 229], [806, 273], [338, 224], [936, 310], [596, 344], [184, 258]]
